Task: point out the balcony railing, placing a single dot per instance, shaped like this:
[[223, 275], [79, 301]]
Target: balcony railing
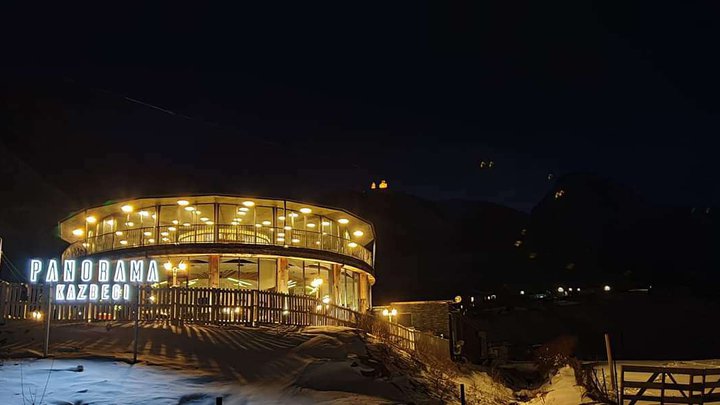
[[217, 233]]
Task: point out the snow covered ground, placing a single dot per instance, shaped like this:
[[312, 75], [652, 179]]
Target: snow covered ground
[[192, 364]]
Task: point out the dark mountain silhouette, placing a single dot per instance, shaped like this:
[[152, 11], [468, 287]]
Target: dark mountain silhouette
[[588, 231], [436, 249]]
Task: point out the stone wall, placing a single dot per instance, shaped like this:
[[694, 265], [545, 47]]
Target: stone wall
[[427, 316]]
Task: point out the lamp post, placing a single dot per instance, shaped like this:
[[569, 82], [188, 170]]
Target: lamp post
[[181, 267], [389, 313]]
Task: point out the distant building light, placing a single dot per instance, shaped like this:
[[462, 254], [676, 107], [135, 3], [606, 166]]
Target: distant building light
[[522, 292], [606, 288], [383, 184], [560, 290]]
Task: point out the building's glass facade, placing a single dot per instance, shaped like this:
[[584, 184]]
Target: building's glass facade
[[235, 242]]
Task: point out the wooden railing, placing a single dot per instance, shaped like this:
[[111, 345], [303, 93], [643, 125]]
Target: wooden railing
[[215, 306], [669, 385], [216, 233]]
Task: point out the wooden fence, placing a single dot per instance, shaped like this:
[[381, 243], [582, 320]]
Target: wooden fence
[[216, 306], [669, 385]]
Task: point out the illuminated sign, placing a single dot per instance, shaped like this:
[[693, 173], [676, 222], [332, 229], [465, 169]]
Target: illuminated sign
[[93, 281]]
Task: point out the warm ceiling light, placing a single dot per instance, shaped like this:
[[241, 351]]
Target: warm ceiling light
[[238, 219], [189, 208], [248, 203], [183, 202], [325, 223], [118, 233], [110, 221], [164, 233], [78, 232], [287, 227], [147, 233], [151, 240], [293, 215], [352, 244], [153, 216], [305, 210], [175, 221], [204, 219], [317, 242], [242, 213], [281, 218], [129, 223], [258, 225], [343, 221], [266, 223], [143, 213], [165, 239], [123, 242], [281, 234], [295, 240], [209, 223], [311, 225], [243, 209], [281, 239], [358, 233], [186, 224], [182, 266], [234, 223], [126, 208], [197, 212], [172, 229], [91, 219]]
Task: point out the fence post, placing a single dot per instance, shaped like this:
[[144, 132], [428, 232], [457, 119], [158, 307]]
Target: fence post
[[462, 394], [611, 364], [254, 308]]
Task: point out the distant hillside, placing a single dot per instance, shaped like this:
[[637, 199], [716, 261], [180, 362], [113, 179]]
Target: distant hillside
[[428, 249], [587, 231]]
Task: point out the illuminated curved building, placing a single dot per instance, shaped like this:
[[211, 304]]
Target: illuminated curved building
[[230, 242]]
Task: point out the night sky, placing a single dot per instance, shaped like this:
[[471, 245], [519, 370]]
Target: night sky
[[101, 104]]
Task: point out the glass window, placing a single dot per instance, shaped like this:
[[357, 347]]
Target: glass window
[[268, 274], [239, 272], [296, 279]]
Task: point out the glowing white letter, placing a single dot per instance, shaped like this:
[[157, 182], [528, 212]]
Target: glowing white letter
[[152, 274], [35, 269], [105, 292], [93, 292], [69, 271], [82, 292], [126, 292], [103, 271], [52, 275], [70, 295], [86, 270], [120, 276], [116, 292], [60, 292], [136, 271]]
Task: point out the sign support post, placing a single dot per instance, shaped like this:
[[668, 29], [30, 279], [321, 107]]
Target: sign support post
[[48, 315], [137, 322]]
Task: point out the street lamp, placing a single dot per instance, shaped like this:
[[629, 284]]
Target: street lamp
[[389, 313], [181, 266]]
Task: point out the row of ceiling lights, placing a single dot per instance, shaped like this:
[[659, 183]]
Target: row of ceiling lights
[[241, 211]]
